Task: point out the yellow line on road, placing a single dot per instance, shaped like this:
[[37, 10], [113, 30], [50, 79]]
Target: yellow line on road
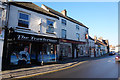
[[27, 76]]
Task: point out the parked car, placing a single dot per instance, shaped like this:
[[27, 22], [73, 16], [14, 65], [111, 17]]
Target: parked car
[[112, 53], [117, 58]]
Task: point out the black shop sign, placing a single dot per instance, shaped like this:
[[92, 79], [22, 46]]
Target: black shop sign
[[31, 38]]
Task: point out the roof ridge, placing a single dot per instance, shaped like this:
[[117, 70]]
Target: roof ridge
[[64, 16]]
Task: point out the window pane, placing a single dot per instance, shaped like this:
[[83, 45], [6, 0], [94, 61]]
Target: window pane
[[63, 33], [77, 27], [50, 22], [23, 16], [50, 28], [77, 35], [23, 23], [63, 21]]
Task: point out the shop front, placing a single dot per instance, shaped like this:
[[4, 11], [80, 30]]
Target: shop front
[[70, 48], [27, 49]]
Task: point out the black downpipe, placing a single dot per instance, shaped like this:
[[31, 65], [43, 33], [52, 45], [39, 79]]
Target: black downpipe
[[5, 62], [4, 57]]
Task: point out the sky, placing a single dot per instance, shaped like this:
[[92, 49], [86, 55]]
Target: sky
[[100, 17]]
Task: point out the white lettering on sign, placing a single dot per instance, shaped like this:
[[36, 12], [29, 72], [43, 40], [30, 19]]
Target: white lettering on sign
[[32, 38]]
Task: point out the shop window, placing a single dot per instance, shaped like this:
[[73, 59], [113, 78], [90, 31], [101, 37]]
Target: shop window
[[50, 26], [19, 51], [23, 20], [78, 36], [64, 33], [63, 22]]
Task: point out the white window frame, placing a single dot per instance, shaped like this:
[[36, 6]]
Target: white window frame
[[62, 21], [77, 27], [48, 26], [23, 19], [65, 34], [78, 38]]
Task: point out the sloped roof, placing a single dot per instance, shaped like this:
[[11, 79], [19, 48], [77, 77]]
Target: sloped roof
[[33, 7], [91, 38], [66, 17]]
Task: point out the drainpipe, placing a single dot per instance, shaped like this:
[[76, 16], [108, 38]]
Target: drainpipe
[[5, 48]]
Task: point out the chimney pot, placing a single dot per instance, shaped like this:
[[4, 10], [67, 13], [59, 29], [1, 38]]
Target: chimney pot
[[64, 12]]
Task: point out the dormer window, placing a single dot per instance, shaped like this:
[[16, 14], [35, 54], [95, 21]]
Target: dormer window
[[23, 20]]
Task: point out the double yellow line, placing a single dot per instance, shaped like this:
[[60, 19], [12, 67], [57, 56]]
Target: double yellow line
[[27, 76]]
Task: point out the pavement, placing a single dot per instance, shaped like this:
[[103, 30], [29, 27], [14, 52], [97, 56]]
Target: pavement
[[46, 69]]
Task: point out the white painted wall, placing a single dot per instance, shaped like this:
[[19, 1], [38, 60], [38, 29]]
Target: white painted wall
[[91, 43], [34, 20], [70, 28]]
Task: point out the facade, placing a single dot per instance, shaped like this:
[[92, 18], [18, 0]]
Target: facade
[[73, 35], [92, 47], [97, 47], [47, 36], [114, 48], [31, 27], [100, 46]]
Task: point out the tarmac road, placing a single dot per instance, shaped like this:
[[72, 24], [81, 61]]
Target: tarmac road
[[99, 68]]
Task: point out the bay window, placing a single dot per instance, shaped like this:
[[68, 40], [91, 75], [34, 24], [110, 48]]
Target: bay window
[[23, 20]]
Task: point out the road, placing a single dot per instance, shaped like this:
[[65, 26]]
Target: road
[[99, 68]]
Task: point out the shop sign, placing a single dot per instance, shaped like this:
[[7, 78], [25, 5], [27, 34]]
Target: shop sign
[[26, 37], [86, 36], [33, 38], [99, 46]]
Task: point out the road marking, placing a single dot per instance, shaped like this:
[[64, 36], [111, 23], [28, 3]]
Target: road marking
[[50, 71]]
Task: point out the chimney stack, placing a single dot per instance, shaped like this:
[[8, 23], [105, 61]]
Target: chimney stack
[[95, 39], [64, 12]]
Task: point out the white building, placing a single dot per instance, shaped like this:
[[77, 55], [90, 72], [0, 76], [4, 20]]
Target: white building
[[91, 47], [45, 31], [73, 35]]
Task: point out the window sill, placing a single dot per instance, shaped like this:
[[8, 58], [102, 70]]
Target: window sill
[[51, 33], [18, 27]]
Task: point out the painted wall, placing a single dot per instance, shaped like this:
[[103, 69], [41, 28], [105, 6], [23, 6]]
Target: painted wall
[[70, 28], [34, 20]]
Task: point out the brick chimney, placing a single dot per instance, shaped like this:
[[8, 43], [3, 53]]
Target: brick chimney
[[64, 12], [95, 38]]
